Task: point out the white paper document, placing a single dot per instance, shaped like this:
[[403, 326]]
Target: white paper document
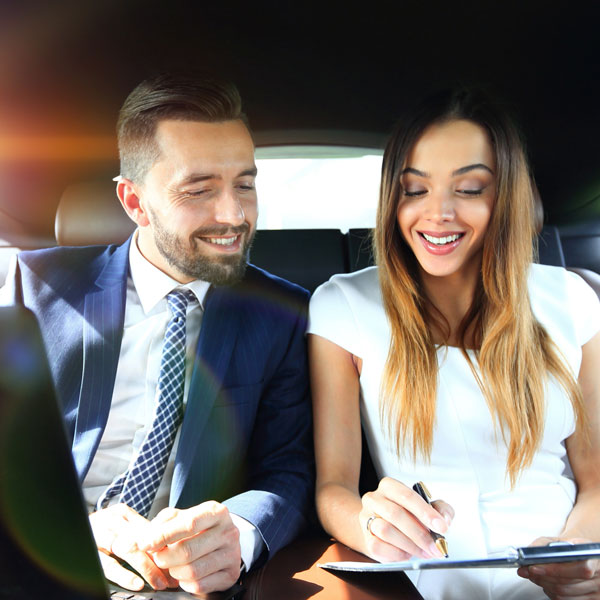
[[513, 558]]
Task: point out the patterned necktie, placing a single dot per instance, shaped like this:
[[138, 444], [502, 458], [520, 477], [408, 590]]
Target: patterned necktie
[[139, 484]]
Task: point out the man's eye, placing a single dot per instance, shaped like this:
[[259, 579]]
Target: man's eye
[[194, 193], [246, 187]]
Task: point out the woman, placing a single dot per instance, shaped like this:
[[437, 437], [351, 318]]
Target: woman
[[472, 368]]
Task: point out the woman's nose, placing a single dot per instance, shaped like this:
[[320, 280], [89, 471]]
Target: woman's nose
[[439, 206]]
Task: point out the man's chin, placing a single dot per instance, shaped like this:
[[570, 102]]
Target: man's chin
[[228, 276], [198, 262], [227, 270]]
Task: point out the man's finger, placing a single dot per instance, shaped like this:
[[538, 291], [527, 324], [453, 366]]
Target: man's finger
[[205, 553], [118, 574], [172, 582], [144, 565], [118, 522], [221, 580], [196, 547], [172, 525]]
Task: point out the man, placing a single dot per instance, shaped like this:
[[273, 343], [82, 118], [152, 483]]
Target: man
[[117, 322]]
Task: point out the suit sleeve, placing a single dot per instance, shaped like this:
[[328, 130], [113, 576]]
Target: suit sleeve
[[281, 475]]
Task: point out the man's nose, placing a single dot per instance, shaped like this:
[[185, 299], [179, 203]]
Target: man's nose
[[229, 208], [439, 206]]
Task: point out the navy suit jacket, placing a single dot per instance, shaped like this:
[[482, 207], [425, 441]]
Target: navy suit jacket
[[246, 435]]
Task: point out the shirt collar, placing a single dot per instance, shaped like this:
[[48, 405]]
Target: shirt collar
[[152, 285]]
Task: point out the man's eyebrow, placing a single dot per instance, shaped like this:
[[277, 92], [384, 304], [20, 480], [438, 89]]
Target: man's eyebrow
[[468, 168], [197, 177]]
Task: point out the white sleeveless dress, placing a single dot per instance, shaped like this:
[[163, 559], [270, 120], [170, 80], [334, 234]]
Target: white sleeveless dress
[[468, 461]]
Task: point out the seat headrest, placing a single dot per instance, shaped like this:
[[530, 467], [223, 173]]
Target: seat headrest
[[90, 213], [538, 209]]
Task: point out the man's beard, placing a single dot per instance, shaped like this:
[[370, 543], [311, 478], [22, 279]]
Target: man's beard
[[189, 260]]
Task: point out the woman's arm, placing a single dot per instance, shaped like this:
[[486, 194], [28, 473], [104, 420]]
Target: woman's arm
[[584, 451], [399, 530], [583, 524]]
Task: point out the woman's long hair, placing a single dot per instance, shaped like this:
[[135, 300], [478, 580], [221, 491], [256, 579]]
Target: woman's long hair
[[513, 351]]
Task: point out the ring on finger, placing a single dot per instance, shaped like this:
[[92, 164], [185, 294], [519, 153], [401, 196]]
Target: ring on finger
[[370, 522]]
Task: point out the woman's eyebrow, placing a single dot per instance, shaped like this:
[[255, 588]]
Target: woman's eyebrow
[[460, 171], [468, 168], [414, 171]]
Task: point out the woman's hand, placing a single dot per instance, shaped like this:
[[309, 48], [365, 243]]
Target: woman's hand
[[402, 521], [579, 580]]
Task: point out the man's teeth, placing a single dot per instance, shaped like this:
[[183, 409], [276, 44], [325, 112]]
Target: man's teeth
[[440, 241], [222, 241]]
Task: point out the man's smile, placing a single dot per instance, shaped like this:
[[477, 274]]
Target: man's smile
[[224, 243]]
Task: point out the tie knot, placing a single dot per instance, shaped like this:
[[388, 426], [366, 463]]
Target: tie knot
[[179, 299]]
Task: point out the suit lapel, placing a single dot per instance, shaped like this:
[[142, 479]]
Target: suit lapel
[[215, 345], [104, 313]]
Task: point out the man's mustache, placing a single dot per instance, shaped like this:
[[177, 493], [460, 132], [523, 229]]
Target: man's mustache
[[224, 230]]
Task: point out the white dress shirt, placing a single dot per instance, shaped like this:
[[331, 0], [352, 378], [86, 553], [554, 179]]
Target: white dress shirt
[[134, 395]]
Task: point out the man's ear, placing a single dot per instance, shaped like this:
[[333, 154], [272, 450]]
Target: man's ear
[[129, 196]]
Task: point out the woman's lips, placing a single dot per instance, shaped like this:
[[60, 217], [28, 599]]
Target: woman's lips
[[440, 243]]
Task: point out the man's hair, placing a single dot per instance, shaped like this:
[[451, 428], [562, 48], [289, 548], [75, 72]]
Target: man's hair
[[166, 96]]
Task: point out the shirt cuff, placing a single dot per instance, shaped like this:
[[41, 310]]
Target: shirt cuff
[[251, 543]]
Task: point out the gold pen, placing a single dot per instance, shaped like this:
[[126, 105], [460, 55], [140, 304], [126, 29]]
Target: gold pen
[[440, 540]]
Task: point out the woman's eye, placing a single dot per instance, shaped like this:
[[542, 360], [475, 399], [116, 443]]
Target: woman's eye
[[471, 192], [471, 188], [414, 193]]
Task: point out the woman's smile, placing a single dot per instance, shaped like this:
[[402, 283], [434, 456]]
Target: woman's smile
[[440, 243]]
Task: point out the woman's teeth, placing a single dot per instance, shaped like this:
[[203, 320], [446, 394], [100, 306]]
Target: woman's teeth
[[440, 241]]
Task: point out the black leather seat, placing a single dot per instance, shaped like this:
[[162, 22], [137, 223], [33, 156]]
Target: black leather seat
[[581, 245], [550, 250], [360, 249], [305, 256]]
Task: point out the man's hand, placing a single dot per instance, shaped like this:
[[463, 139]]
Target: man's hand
[[199, 547], [116, 531]]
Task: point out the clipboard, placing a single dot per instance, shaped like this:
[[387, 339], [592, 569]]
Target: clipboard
[[512, 558]]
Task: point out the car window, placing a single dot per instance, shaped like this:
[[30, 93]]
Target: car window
[[317, 187]]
